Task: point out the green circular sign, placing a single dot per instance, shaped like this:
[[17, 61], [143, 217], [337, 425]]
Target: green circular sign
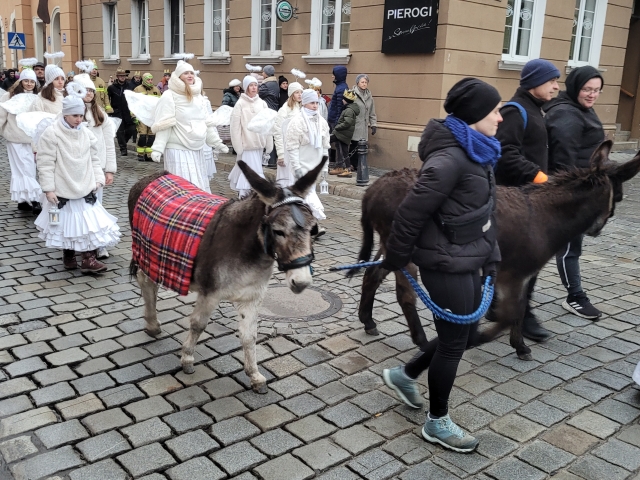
[[284, 11]]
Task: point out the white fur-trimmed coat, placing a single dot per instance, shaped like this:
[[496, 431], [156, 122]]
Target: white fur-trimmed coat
[[105, 136], [8, 125], [297, 136], [284, 113], [241, 138], [44, 105]]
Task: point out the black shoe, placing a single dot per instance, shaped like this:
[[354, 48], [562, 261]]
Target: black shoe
[[123, 153], [581, 306], [142, 158], [24, 207], [36, 208], [532, 329], [147, 158]]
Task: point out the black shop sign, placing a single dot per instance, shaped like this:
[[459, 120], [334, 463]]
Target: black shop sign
[[410, 26]]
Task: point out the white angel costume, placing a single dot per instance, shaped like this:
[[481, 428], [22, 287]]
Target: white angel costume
[[24, 185], [210, 156]]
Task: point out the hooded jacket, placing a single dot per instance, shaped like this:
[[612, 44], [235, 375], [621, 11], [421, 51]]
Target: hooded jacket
[[449, 185], [574, 131], [230, 97], [269, 91], [347, 123], [336, 106], [119, 102], [524, 150]]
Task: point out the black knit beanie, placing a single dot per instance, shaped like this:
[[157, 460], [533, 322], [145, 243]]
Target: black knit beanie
[[471, 100], [577, 79], [282, 79]]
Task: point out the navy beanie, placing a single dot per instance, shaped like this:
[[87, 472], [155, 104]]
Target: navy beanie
[[537, 72]]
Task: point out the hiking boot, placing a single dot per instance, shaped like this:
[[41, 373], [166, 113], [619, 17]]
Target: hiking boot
[[336, 171], [123, 152], [69, 259], [443, 431], [532, 329], [581, 306], [102, 253], [406, 388], [90, 263], [24, 207], [345, 174], [36, 208]]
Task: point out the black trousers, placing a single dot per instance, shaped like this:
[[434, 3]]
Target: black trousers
[[460, 293], [568, 262], [342, 153], [124, 134]]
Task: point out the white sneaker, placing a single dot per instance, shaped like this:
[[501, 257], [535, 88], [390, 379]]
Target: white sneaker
[[102, 253]]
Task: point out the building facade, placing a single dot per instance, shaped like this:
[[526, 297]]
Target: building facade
[[61, 34], [489, 39]]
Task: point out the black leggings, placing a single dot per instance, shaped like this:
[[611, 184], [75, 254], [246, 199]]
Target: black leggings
[[460, 293]]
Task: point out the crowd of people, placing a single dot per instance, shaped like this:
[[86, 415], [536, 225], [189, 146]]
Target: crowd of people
[[481, 144]]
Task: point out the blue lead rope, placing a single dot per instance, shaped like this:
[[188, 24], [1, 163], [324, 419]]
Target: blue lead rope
[[485, 303]]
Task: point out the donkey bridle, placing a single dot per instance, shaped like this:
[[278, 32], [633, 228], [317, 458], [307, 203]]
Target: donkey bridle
[[267, 230]]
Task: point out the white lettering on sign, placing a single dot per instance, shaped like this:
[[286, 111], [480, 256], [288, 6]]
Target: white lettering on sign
[[409, 12]]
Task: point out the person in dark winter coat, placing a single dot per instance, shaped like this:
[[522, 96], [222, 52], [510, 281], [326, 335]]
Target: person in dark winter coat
[[575, 131], [456, 180], [10, 80], [284, 91], [524, 149], [269, 89], [232, 94], [118, 101], [343, 133], [336, 106]]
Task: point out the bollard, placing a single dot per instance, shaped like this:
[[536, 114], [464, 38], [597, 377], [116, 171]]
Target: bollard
[[363, 168]]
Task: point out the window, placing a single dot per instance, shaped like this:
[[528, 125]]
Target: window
[[216, 32], [523, 30], [173, 30], [110, 30], [588, 28], [335, 21], [140, 29], [266, 29]]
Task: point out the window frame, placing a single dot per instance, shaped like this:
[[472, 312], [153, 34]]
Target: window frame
[[107, 38], [173, 57], [535, 40], [315, 47], [595, 49], [211, 55], [256, 30], [136, 35]]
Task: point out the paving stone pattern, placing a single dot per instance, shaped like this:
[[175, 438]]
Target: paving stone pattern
[[86, 394]]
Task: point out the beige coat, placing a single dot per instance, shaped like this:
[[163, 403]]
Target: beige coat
[[43, 105], [241, 138]]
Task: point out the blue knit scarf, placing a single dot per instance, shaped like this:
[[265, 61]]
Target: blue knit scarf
[[480, 148]]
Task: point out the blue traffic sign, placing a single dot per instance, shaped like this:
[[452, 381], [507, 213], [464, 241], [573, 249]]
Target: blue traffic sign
[[17, 41]]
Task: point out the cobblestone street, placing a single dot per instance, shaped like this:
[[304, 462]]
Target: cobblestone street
[[85, 394]]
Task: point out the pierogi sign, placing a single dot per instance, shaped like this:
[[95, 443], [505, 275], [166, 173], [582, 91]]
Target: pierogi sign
[[410, 26]]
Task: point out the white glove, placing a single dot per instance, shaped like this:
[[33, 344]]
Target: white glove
[[156, 156], [224, 149]]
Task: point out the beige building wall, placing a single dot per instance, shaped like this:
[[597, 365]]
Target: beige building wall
[[408, 89]]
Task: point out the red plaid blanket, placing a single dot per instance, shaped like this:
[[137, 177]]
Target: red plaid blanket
[[168, 223]]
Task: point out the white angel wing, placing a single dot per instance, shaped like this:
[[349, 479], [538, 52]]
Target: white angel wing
[[41, 127], [116, 123], [263, 122], [142, 106], [28, 122], [19, 103], [2, 92], [222, 116]]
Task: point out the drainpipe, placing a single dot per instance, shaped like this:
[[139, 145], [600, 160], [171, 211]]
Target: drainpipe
[[79, 20]]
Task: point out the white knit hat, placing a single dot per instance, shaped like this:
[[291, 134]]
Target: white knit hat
[[248, 80], [28, 74], [51, 72], [85, 80], [235, 83], [294, 87], [309, 96], [73, 104], [183, 67]]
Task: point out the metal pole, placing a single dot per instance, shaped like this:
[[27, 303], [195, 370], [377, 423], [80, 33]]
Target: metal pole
[[363, 168]]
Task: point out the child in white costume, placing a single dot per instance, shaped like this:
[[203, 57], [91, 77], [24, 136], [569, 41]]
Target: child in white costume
[[182, 128], [248, 145], [210, 156], [50, 97], [24, 186], [70, 174], [284, 174], [306, 141]]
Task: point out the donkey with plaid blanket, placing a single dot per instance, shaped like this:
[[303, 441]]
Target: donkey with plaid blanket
[[230, 254]]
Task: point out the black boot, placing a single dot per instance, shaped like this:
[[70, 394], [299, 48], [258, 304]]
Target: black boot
[[24, 207], [37, 208], [123, 152], [532, 329]]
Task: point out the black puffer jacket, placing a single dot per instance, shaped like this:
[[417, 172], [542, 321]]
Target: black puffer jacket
[[269, 91], [450, 185], [574, 131], [524, 151]]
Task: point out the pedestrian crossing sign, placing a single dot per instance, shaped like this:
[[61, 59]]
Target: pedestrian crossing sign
[[17, 41]]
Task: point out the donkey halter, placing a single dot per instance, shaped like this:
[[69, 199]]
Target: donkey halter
[[267, 230]]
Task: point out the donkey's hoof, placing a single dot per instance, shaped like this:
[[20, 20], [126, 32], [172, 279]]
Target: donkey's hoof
[[372, 331], [154, 332], [527, 357], [260, 388], [188, 368]]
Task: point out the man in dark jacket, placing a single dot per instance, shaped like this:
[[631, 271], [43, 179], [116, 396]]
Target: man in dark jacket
[[118, 102], [38, 69], [269, 90], [336, 106], [10, 80], [524, 159], [575, 131]]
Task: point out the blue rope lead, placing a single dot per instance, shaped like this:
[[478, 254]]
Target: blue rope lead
[[485, 303]]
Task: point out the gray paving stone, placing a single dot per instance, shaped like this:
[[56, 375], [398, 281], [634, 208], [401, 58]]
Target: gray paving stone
[[32, 349], [132, 373], [285, 466], [269, 417], [472, 418], [17, 448], [26, 421], [310, 428], [427, 471], [511, 468], [163, 346], [15, 405], [149, 431], [54, 375], [303, 405], [495, 403], [104, 470], [389, 425], [119, 396], [201, 374], [565, 401], [617, 411], [66, 357], [312, 355], [319, 375], [224, 408], [102, 446], [233, 430], [105, 347], [592, 468], [357, 439], [164, 364], [376, 464], [129, 356], [62, 434], [147, 459], [95, 365], [188, 398], [339, 473], [15, 387], [375, 402], [516, 427], [160, 385], [291, 386], [588, 390], [255, 401], [192, 444], [631, 435], [538, 412], [540, 380], [594, 424], [545, 457], [609, 379], [463, 465], [186, 420], [225, 365], [493, 445], [93, 383], [242, 378], [196, 469], [570, 439], [52, 394], [282, 346], [321, 455], [46, 464], [223, 387], [363, 382], [238, 458], [79, 406], [225, 344], [333, 393], [619, 453], [107, 420]]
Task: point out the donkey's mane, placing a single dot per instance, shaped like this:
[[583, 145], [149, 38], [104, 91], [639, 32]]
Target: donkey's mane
[[572, 179]]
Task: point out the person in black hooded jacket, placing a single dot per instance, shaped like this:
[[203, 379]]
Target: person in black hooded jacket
[[575, 131], [455, 186], [284, 91]]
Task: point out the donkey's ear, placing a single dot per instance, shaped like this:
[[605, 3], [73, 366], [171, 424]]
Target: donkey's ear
[[626, 171], [304, 183], [266, 190], [600, 156]]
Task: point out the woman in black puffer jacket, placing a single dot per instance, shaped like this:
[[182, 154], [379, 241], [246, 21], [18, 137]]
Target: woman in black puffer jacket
[[445, 226]]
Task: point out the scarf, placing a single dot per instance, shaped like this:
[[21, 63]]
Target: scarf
[[178, 86], [315, 138], [480, 148]]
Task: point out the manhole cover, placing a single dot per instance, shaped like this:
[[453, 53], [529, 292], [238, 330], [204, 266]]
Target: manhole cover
[[281, 303]]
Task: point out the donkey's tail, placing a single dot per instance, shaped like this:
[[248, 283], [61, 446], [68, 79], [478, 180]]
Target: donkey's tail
[[367, 243], [133, 270]]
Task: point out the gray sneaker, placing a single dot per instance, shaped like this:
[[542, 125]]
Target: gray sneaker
[[405, 387], [443, 431]]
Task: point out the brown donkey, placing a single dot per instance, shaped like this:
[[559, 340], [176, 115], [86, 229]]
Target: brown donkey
[[533, 223], [235, 259]]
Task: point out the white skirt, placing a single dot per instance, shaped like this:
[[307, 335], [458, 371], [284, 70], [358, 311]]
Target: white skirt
[[313, 200], [24, 186], [237, 181], [83, 227], [188, 164], [210, 158], [284, 176]]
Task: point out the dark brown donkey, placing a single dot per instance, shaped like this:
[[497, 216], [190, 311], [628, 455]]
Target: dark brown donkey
[[235, 260], [533, 223]]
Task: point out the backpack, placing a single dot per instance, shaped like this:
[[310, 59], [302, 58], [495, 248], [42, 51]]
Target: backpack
[[523, 112]]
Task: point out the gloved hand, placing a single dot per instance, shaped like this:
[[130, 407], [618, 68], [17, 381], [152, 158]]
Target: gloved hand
[[156, 156], [490, 270], [387, 265], [298, 173], [374, 129], [224, 149]]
